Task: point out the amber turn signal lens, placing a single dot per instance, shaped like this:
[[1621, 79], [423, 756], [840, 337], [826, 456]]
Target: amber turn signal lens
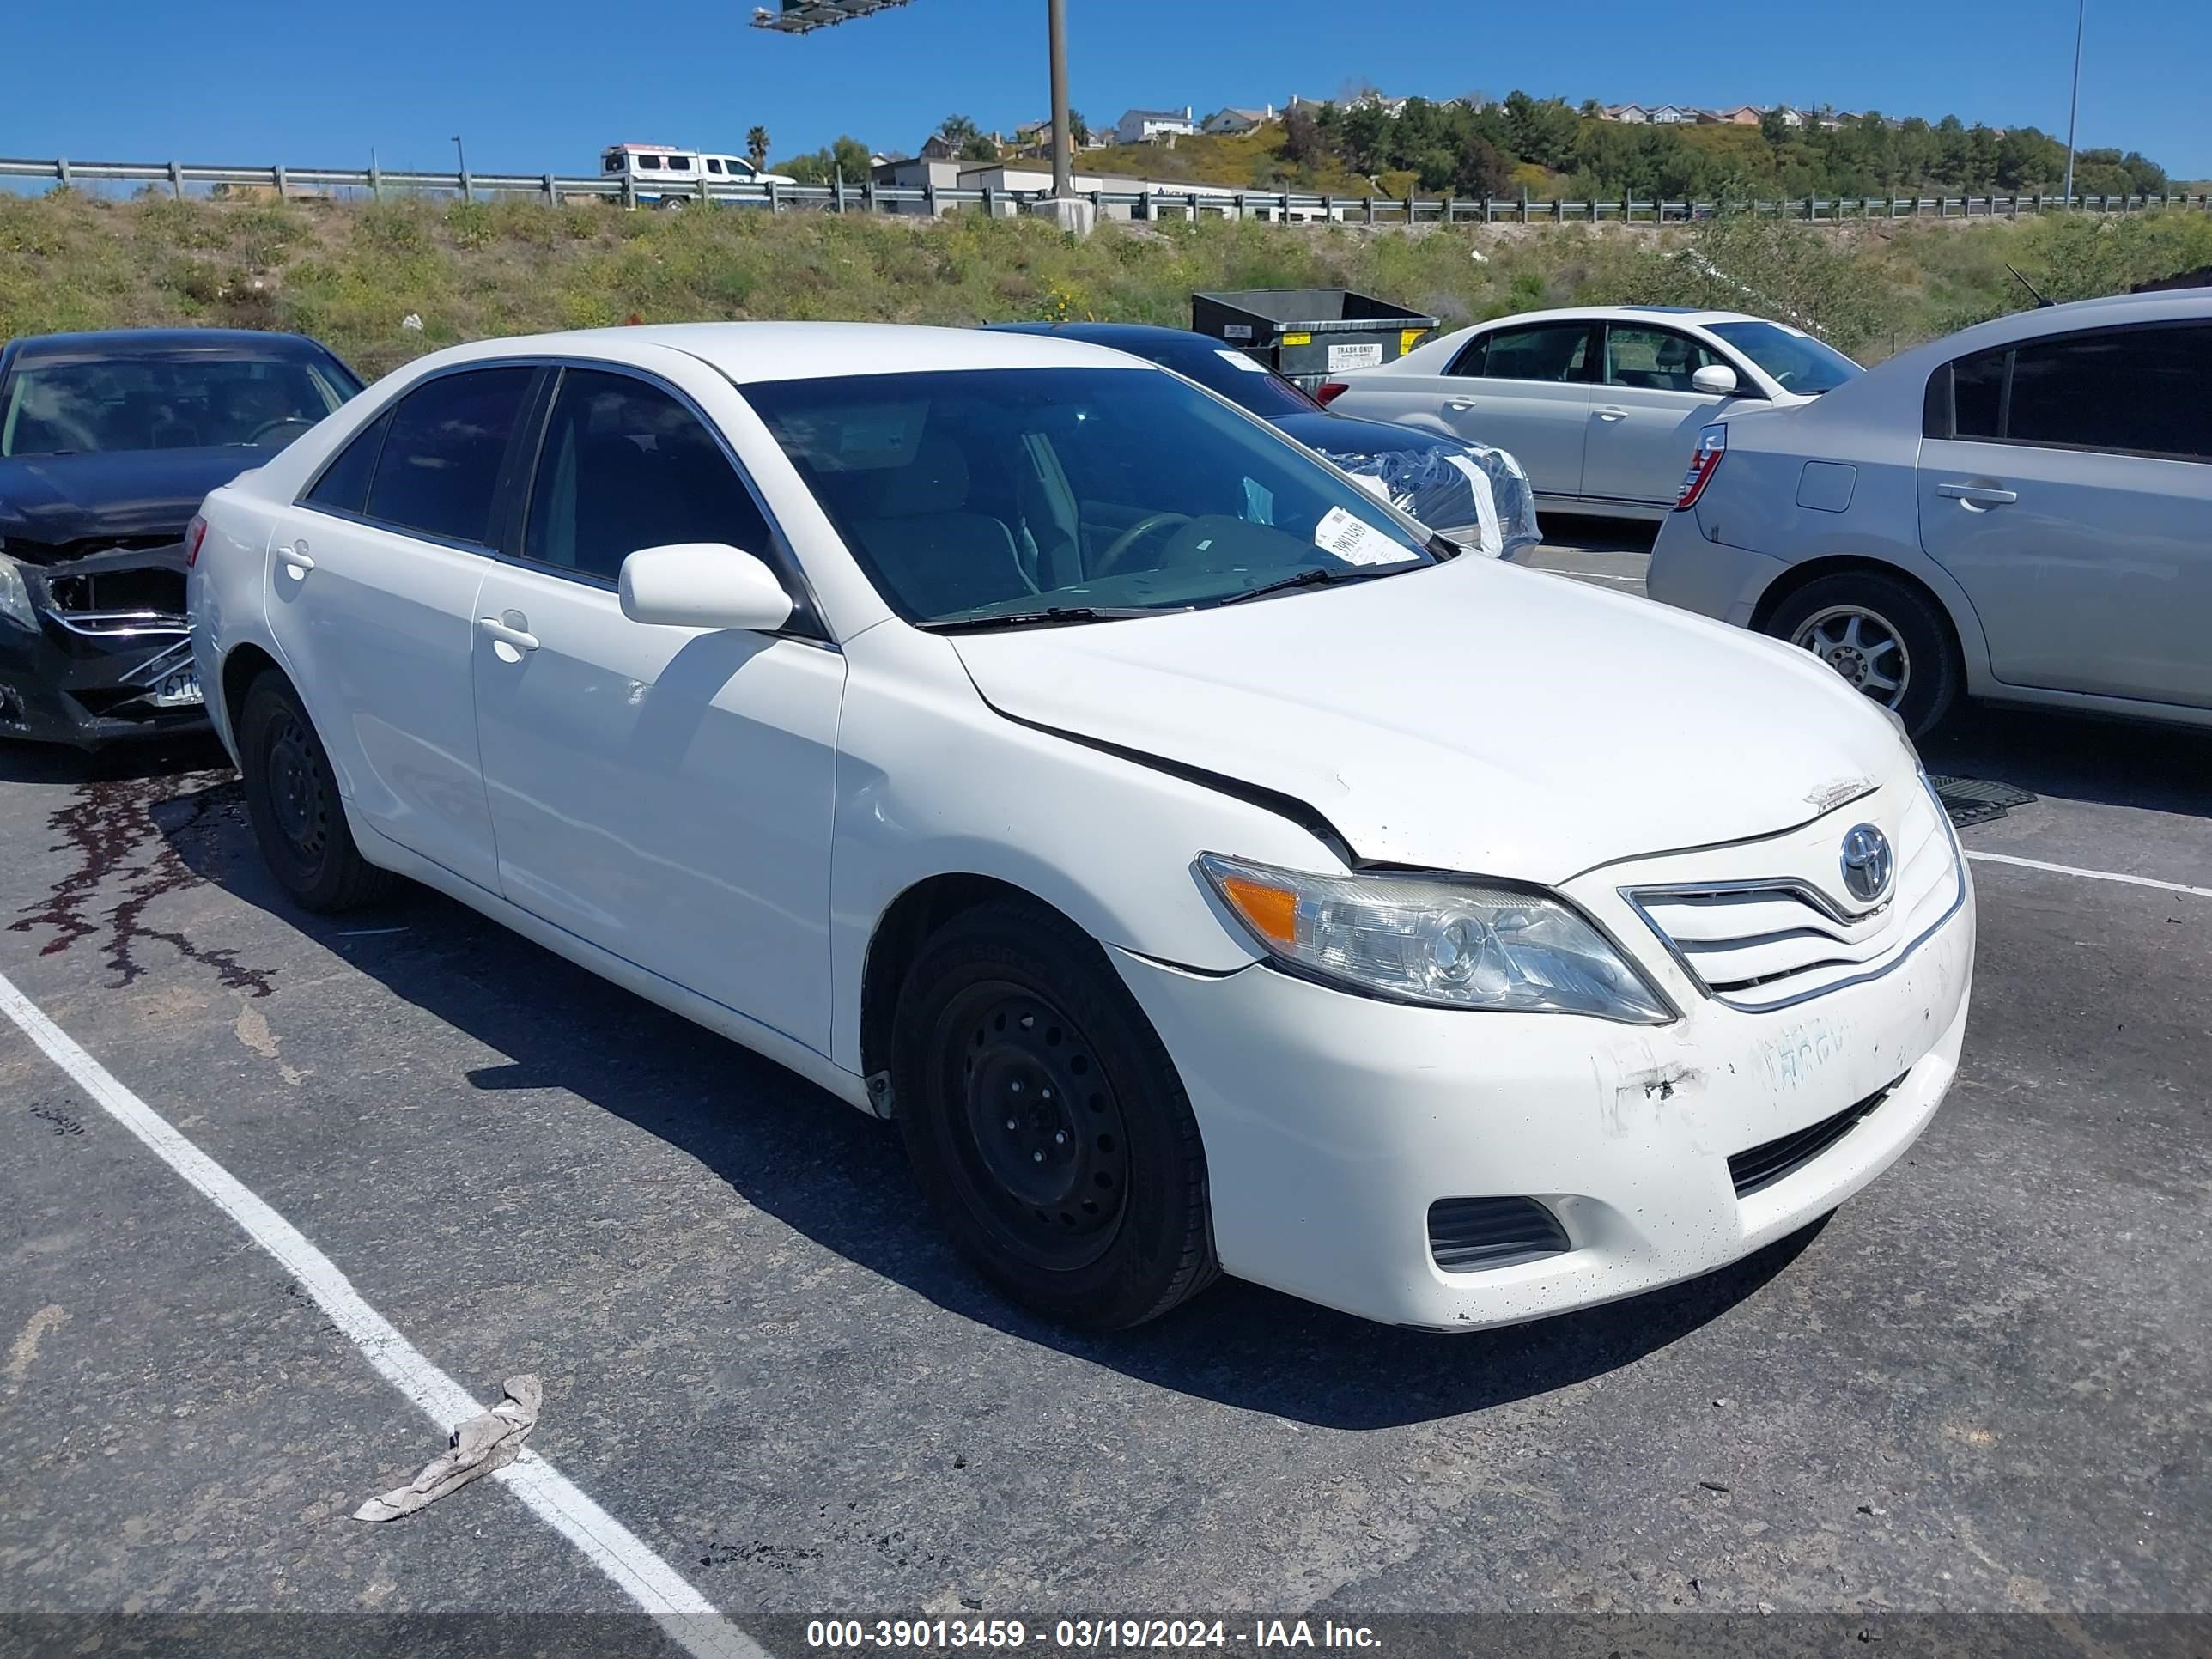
[[1270, 912]]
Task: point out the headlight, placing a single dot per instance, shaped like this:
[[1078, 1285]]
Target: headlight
[[15, 596], [1443, 942]]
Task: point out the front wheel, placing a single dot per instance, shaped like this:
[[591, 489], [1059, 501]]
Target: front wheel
[[1885, 637], [1046, 1123], [292, 797]]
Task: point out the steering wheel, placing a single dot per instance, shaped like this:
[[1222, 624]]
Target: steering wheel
[[1121, 543], [277, 425]]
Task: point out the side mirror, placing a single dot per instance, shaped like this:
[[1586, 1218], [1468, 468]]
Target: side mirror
[[1714, 379], [703, 584]]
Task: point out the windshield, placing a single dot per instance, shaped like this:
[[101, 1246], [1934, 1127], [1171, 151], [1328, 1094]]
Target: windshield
[[969, 494], [76, 407], [1798, 361]]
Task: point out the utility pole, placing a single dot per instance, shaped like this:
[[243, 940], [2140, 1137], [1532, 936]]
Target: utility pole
[[1063, 140], [461, 161], [2073, 105]]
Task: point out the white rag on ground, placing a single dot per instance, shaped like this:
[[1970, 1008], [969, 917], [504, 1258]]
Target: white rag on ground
[[479, 1446]]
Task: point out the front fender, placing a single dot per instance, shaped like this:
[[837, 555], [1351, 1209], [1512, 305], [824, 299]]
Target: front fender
[[931, 782]]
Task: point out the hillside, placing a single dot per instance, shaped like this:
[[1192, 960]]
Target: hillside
[[1551, 149], [354, 274]]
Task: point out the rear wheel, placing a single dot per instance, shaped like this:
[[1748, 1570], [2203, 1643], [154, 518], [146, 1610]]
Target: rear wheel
[[292, 796], [1884, 635], [1046, 1123]]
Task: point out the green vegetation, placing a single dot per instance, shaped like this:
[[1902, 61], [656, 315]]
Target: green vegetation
[[1550, 148], [352, 274]]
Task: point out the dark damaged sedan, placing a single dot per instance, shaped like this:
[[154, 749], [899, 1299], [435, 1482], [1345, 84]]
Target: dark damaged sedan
[[108, 444]]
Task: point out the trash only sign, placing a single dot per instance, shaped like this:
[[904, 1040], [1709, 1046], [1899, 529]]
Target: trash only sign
[[1363, 353]]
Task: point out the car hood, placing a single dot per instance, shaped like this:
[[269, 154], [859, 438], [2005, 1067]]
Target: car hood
[[61, 500], [1476, 717]]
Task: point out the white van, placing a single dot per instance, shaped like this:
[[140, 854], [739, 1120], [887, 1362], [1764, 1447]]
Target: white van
[[664, 175]]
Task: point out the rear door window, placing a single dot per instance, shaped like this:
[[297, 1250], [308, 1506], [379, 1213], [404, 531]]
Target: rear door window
[[1543, 351], [2138, 391], [438, 473], [2134, 391]]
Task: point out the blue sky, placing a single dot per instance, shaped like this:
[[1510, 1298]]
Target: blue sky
[[544, 85]]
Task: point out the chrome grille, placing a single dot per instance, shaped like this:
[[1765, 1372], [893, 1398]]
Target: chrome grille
[[1765, 943]]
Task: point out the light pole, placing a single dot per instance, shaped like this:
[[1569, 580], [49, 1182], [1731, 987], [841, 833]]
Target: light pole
[[805, 16], [461, 161], [2073, 105], [1063, 185]]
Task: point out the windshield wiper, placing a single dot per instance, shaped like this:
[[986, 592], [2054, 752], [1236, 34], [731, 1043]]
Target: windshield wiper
[[1050, 616], [1319, 575]]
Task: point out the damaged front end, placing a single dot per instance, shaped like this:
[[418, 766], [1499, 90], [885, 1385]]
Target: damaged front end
[[1476, 494], [95, 645]]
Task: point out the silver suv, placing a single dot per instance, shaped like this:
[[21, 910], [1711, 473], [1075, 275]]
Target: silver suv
[[2021, 512]]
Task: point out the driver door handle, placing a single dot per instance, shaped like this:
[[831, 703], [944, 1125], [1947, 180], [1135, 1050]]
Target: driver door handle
[[1978, 494], [1460, 405], [495, 628], [1609, 412]]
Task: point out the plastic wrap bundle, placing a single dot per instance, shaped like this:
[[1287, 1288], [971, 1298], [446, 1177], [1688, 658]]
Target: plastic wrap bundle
[[1466, 491]]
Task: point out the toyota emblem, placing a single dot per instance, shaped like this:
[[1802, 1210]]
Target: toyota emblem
[[1866, 862]]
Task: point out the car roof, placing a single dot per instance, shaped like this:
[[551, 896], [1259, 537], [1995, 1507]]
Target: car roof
[[1690, 315], [1123, 335], [751, 352], [108, 344]]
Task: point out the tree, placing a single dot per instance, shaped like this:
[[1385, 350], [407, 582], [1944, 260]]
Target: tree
[[1774, 126], [756, 146], [1079, 129], [1482, 171], [958, 130], [847, 159], [979, 147], [1301, 140]]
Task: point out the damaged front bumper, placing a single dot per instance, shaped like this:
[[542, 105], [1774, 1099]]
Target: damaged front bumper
[[111, 657]]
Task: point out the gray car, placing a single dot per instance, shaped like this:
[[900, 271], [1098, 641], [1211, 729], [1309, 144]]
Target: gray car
[[2022, 513]]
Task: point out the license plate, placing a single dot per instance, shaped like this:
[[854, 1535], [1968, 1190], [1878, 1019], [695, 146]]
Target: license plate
[[179, 690]]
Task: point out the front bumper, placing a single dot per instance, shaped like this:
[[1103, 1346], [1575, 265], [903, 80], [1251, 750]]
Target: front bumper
[[94, 672], [1332, 1122]]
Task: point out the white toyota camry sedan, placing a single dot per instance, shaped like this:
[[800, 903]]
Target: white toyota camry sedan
[[1205, 868]]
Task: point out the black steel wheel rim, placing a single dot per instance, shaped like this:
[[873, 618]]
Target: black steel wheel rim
[[1040, 1148], [297, 800]]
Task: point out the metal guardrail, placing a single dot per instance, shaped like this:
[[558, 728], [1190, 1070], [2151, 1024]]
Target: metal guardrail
[[179, 178]]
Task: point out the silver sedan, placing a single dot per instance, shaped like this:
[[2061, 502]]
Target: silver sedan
[[2021, 512]]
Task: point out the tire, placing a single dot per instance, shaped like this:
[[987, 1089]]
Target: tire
[[1046, 1123], [292, 796], [1871, 628]]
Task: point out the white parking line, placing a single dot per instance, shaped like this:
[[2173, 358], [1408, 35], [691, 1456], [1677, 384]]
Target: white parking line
[[689, 1618], [2092, 875]]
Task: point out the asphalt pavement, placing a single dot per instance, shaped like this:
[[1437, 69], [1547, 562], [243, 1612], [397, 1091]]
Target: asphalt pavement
[[1979, 1387]]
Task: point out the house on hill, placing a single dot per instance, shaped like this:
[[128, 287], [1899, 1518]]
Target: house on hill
[[1232, 121], [1149, 126]]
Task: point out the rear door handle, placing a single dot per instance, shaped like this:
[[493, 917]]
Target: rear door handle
[[1978, 494], [1610, 414], [1460, 405], [296, 556], [516, 637]]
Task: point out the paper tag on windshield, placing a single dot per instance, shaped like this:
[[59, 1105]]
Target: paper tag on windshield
[[1242, 362], [1354, 540]]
